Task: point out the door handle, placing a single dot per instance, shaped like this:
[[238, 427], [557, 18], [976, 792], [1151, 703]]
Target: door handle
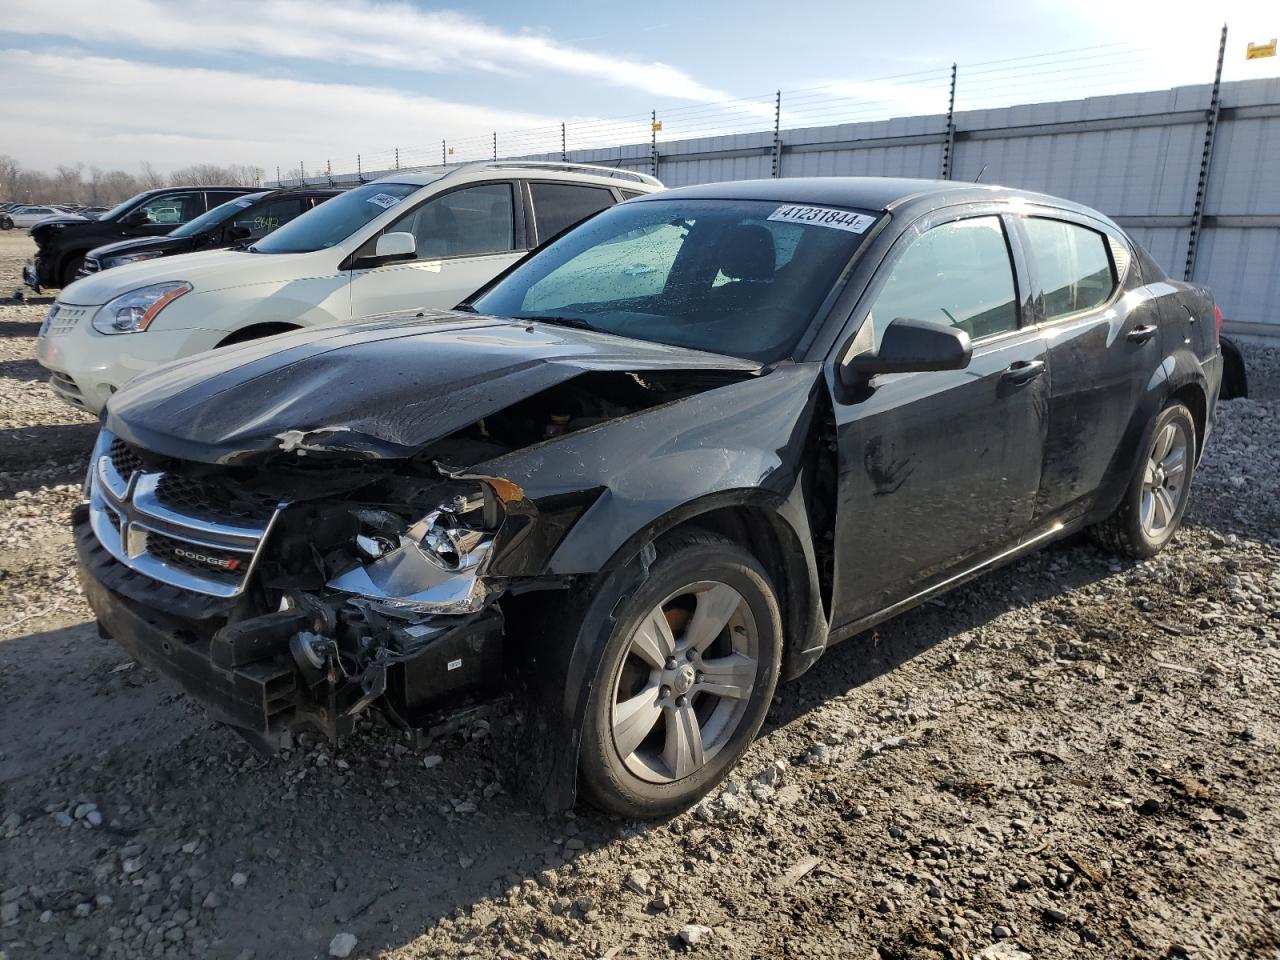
[[1143, 333], [1024, 371]]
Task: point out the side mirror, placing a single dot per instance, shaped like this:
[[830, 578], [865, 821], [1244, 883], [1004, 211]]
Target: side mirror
[[909, 346], [135, 218], [395, 246]]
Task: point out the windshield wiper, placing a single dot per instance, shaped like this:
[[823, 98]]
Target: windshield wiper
[[577, 322]]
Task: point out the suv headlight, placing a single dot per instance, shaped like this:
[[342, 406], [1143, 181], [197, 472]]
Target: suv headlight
[[133, 312], [124, 258]]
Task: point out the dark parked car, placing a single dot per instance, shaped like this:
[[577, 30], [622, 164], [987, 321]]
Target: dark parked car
[[240, 220], [658, 465], [62, 242]]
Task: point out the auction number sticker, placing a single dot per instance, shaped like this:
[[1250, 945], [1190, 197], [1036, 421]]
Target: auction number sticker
[[824, 217], [384, 200]]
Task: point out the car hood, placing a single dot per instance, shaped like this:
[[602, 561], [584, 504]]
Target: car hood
[[56, 218], [381, 388], [136, 245], [207, 270]]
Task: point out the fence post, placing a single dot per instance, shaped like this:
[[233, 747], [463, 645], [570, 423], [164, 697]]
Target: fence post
[[777, 135], [444, 151], [653, 142], [278, 183], [302, 174], [495, 144], [949, 148], [1206, 159], [564, 153], [359, 170]]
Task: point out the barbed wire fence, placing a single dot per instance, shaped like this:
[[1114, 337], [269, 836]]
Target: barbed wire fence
[[939, 92]]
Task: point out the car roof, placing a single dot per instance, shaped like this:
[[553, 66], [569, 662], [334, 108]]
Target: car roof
[[885, 194], [527, 169]]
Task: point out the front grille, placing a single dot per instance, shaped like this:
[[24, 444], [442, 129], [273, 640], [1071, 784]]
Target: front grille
[[123, 458], [223, 565], [213, 501], [63, 319], [200, 535]]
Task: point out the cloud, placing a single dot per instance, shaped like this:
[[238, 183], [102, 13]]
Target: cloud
[[117, 113], [362, 32]]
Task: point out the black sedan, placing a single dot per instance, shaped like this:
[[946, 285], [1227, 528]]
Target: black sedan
[[657, 466], [238, 221]]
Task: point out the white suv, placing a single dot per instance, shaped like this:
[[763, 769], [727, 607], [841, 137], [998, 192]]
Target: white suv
[[407, 241]]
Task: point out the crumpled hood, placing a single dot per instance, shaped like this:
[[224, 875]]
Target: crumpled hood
[[382, 388], [206, 270]]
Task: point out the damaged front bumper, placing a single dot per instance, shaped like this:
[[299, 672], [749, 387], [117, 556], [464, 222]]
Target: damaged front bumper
[[267, 674]]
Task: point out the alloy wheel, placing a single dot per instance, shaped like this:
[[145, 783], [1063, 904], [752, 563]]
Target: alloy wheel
[[685, 681], [1164, 479]]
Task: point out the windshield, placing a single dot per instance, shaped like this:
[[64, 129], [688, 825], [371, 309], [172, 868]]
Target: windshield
[[220, 213], [742, 277], [121, 207], [336, 219]]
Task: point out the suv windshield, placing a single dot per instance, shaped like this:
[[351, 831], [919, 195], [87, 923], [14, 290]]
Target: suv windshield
[[335, 220], [122, 206], [741, 277], [215, 216]]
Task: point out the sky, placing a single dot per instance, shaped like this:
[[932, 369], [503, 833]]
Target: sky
[[112, 83]]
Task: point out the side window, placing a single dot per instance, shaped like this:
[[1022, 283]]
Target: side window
[[1072, 267], [628, 194], [957, 274], [464, 223], [265, 217], [217, 197], [174, 208], [559, 205]]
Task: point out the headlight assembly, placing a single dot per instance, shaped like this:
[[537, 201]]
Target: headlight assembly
[[134, 311], [124, 258]]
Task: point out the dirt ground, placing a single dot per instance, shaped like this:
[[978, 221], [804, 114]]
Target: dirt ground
[[1073, 756]]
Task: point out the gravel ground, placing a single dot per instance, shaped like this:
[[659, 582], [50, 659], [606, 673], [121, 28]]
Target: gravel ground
[[1072, 756]]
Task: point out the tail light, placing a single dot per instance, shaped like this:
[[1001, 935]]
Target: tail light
[[1217, 321]]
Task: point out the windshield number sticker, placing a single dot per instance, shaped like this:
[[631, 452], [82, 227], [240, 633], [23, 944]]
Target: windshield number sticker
[[824, 217], [384, 200]]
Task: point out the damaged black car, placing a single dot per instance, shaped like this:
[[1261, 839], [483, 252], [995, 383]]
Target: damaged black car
[[657, 466]]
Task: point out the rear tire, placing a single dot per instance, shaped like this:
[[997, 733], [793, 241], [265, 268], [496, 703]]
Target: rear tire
[[687, 676], [6, 223], [1150, 513]]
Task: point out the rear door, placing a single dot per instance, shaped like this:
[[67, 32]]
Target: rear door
[[1104, 347], [464, 238], [938, 470]]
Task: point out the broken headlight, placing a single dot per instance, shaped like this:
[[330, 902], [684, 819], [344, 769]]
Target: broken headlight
[[432, 567]]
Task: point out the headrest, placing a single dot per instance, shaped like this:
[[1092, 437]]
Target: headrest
[[745, 252]]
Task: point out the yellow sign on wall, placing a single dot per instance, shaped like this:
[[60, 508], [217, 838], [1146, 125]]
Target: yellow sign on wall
[[1257, 51]]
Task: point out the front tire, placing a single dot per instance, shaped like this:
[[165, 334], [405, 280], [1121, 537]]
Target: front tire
[[686, 679], [70, 270], [1151, 512], [6, 223]]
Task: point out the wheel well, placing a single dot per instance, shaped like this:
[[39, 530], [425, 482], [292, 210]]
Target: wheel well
[[1192, 397], [771, 541], [256, 332]]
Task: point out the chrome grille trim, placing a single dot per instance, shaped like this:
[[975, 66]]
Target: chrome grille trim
[[124, 514]]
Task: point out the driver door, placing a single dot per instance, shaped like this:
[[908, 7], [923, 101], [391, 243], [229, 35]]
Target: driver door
[[940, 469], [463, 238]]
